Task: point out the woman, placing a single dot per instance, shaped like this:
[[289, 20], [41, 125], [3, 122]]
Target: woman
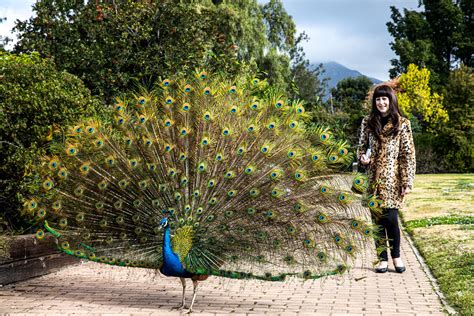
[[386, 148]]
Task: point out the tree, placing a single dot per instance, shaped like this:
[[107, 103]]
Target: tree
[[416, 99], [280, 27], [307, 83], [348, 99], [438, 38], [115, 43], [350, 92], [459, 133], [286, 61]]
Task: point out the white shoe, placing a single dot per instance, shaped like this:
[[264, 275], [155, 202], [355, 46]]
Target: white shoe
[[382, 267], [399, 266]]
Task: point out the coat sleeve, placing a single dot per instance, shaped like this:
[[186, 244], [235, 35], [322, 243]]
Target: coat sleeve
[[363, 140], [407, 156]]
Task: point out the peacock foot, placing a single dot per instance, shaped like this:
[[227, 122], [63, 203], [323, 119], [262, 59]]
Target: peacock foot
[[186, 312], [179, 308]]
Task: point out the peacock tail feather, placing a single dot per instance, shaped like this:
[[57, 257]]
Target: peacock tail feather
[[229, 163]]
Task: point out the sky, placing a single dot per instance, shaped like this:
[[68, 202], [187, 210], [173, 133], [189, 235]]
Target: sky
[[350, 32]]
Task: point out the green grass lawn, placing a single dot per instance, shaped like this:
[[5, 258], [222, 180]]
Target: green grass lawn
[[437, 195], [439, 215]]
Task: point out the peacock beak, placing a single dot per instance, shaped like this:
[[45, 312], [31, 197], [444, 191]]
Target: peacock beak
[[163, 225]]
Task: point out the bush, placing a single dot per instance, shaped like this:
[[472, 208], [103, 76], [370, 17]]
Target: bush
[[35, 99]]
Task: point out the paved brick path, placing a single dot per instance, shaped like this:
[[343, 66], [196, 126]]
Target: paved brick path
[[92, 288]]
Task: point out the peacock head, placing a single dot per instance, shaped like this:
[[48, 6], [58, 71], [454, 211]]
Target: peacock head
[[164, 223]]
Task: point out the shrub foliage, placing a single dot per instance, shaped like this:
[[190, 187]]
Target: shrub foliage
[[35, 100]]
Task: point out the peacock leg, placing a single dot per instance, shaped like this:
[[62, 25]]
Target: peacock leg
[[183, 282], [195, 285]]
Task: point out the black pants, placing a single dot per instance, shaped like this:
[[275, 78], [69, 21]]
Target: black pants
[[388, 221]]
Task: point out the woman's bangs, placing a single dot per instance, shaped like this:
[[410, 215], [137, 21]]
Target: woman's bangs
[[383, 91]]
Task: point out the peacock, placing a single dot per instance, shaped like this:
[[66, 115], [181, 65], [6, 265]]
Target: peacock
[[201, 176]]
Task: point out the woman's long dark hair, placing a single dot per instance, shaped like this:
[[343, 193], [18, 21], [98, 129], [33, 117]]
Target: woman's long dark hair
[[375, 118]]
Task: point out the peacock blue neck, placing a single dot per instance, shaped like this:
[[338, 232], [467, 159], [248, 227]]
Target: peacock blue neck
[[166, 241], [172, 265]]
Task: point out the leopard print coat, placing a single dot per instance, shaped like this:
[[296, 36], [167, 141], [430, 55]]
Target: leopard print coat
[[392, 162]]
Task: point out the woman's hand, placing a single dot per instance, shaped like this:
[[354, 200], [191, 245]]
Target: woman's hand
[[364, 159], [405, 190]]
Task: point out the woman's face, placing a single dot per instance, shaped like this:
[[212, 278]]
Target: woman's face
[[383, 105]]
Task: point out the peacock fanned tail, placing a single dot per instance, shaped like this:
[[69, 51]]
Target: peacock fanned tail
[[229, 164]]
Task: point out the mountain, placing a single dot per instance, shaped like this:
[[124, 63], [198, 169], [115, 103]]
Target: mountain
[[336, 72]]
